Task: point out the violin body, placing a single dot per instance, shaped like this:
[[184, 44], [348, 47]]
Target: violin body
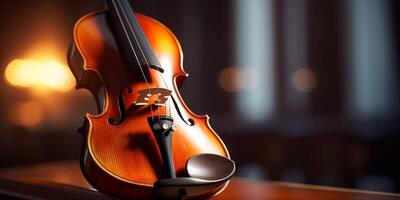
[[122, 159]]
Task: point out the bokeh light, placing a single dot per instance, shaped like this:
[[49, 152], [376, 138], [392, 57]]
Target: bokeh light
[[304, 80], [39, 73], [232, 79], [29, 114]]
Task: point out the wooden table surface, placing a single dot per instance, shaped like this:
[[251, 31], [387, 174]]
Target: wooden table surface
[[68, 175]]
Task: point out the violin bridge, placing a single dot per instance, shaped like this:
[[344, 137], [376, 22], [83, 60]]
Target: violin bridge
[[153, 96]]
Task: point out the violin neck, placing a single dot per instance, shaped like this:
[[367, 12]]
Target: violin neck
[[129, 35]]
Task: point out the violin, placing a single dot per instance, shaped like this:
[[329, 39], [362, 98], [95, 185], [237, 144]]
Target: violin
[[145, 142]]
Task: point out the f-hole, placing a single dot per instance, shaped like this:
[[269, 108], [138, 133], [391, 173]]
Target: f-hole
[[190, 121], [121, 107]]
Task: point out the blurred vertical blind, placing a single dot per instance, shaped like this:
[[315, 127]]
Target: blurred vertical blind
[[295, 54], [371, 67], [254, 40]]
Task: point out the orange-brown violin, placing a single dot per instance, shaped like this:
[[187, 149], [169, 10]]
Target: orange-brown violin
[[144, 142]]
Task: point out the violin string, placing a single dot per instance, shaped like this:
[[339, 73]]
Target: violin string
[[148, 66], [133, 49], [140, 48]]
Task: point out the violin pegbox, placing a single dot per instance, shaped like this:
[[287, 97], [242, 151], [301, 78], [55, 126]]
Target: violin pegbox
[[153, 96]]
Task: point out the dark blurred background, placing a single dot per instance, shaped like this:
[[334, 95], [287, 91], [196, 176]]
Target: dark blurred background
[[303, 91]]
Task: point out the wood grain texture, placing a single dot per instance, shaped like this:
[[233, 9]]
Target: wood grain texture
[[68, 173], [124, 160]]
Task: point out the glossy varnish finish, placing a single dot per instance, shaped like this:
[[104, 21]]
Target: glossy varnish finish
[[124, 159], [68, 174]]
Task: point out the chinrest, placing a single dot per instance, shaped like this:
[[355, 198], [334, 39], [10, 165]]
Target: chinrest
[[207, 173]]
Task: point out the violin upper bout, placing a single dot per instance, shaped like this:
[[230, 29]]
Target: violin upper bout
[[96, 48], [166, 47]]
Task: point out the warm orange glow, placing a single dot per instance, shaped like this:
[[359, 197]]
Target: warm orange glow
[[232, 79], [304, 80], [166, 61], [26, 113], [43, 73]]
